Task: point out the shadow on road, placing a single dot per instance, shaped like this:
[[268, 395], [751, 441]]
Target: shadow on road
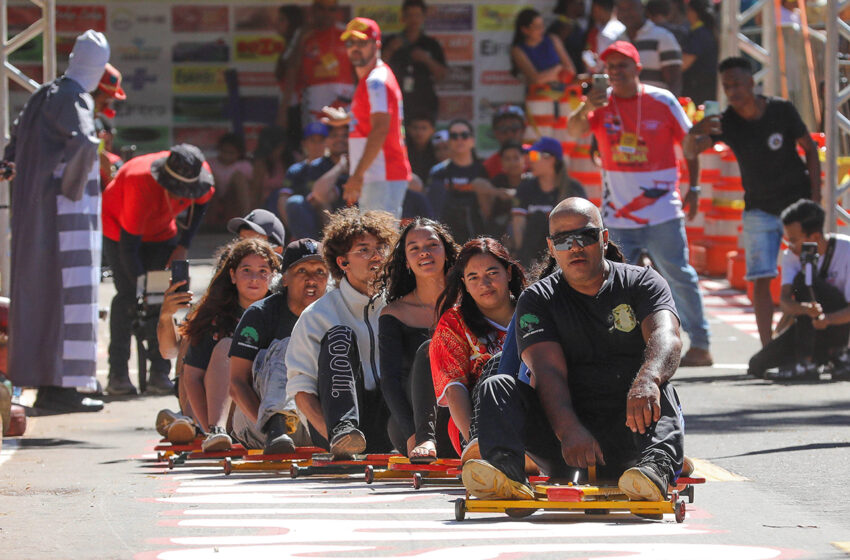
[[781, 416], [809, 447]]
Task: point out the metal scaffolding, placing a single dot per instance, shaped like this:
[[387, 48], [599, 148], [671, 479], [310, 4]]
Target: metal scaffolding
[[46, 27], [733, 42], [836, 123]]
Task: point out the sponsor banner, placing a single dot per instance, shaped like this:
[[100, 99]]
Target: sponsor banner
[[31, 51], [257, 79], [80, 18], [257, 49], [449, 17], [457, 47], [498, 78], [255, 18], [259, 108], [497, 17], [496, 45], [217, 50], [456, 107], [460, 77], [388, 16], [199, 79], [199, 108], [139, 49], [484, 140], [204, 137], [144, 80], [147, 139], [141, 110], [21, 17], [193, 18], [139, 20]]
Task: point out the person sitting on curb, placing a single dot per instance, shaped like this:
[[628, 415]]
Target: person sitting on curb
[[601, 340], [818, 308], [332, 363], [264, 415]]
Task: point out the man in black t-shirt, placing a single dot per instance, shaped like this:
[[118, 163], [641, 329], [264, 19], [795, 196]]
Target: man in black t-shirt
[[417, 61], [601, 340], [763, 133], [264, 417]]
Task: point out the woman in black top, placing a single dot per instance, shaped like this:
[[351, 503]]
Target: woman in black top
[[412, 280], [699, 53], [241, 280]]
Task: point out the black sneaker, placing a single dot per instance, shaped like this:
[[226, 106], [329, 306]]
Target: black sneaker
[[840, 370], [120, 385], [63, 400], [644, 482], [796, 372], [278, 441], [347, 440], [159, 384]]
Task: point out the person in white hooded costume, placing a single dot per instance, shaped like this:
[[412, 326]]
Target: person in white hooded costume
[[56, 240]]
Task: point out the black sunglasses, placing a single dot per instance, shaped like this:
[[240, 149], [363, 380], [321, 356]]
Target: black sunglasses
[[460, 135], [564, 240]]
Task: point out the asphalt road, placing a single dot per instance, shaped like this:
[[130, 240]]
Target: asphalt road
[[775, 455]]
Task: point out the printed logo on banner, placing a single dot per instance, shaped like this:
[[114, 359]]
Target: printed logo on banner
[[257, 79], [497, 17], [80, 18], [255, 18], [124, 19], [198, 19], [201, 51], [498, 78], [449, 17], [388, 17], [137, 51], [199, 108], [457, 48], [139, 78], [199, 79], [456, 107], [458, 78], [257, 49], [492, 47], [131, 110]]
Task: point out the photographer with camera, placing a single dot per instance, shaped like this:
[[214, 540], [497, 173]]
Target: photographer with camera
[[815, 292]]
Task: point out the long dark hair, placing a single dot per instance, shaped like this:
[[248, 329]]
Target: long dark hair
[[218, 312], [705, 13], [456, 293], [396, 279], [523, 19]]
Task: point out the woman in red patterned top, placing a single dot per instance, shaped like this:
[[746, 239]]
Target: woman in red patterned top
[[475, 310]]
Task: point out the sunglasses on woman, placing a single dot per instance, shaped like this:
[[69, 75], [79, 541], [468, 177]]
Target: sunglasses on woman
[[460, 135], [584, 237]]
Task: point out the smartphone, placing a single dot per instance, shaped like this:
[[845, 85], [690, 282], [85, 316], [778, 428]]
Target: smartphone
[[180, 272], [600, 81], [710, 108]]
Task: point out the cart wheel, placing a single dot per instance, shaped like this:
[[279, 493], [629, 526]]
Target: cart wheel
[[228, 466], [689, 492], [519, 513], [160, 457], [417, 481], [370, 474], [293, 471], [680, 511], [460, 509], [170, 463]]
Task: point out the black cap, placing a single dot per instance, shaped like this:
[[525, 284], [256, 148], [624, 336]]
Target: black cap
[[261, 221], [300, 250], [182, 172]]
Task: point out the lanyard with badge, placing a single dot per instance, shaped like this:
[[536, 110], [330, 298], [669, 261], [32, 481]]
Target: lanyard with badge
[[629, 140]]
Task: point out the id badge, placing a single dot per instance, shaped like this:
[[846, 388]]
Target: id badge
[[628, 143]]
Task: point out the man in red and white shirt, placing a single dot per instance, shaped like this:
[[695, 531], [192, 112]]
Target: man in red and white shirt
[[380, 170], [637, 126]]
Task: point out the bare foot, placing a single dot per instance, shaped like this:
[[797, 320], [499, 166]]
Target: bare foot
[[423, 450]]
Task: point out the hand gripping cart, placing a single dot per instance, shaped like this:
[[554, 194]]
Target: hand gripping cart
[[585, 498]]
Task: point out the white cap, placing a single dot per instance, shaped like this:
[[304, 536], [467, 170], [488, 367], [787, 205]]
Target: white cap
[[88, 59]]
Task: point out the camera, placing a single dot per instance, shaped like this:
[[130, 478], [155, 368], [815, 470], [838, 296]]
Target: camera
[[809, 254]]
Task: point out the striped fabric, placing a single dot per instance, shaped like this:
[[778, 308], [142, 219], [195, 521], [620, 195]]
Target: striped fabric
[[658, 48], [79, 258]]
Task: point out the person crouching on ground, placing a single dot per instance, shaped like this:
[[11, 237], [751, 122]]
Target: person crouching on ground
[[601, 340]]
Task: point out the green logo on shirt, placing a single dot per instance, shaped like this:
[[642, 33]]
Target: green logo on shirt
[[528, 321], [250, 333]]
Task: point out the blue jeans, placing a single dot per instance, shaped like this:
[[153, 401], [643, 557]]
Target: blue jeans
[[762, 239], [383, 195], [302, 218], [667, 247]]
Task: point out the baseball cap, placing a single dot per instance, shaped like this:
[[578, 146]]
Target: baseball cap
[[316, 128], [621, 47], [361, 28], [440, 136], [301, 250], [548, 145], [261, 221], [110, 83], [509, 110]]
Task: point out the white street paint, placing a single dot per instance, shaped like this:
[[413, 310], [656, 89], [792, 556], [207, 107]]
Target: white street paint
[[9, 448], [315, 511]]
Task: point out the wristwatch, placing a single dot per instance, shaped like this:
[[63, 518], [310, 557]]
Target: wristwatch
[[696, 189]]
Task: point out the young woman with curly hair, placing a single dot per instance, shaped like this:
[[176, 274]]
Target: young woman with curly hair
[[475, 309], [413, 278], [241, 280]]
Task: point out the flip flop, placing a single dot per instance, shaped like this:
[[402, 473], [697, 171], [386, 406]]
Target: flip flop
[[422, 460]]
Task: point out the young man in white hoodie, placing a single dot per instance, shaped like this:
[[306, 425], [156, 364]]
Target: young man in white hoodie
[[332, 360]]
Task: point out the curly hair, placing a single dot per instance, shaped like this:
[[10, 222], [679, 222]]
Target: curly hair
[[346, 225], [396, 279], [218, 312], [456, 293]]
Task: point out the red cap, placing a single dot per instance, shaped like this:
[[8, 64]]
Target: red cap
[[621, 47], [110, 83], [361, 28]]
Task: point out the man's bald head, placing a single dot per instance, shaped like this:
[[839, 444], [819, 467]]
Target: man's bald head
[[575, 206]]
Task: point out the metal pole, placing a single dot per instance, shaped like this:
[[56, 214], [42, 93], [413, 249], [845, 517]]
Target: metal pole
[[48, 15], [770, 86], [730, 27], [5, 195], [830, 111]]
